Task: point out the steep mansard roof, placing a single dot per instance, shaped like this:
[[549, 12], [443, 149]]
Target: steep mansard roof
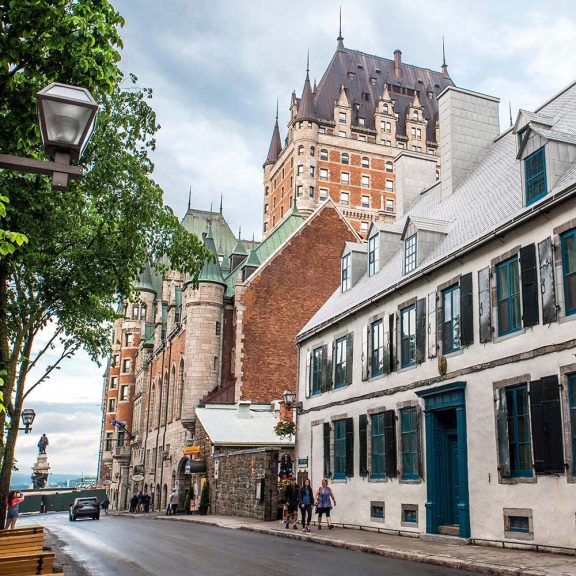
[[489, 197], [354, 70]]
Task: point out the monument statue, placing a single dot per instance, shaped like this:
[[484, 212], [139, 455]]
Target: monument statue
[[42, 444]]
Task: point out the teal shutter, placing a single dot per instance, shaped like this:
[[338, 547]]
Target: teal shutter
[[529, 277], [349, 447], [363, 444], [326, 438], [466, 311]]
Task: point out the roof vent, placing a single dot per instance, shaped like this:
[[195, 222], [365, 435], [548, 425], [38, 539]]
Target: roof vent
[[244, 409]]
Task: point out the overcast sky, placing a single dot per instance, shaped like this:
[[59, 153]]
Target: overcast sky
[[218, 67]]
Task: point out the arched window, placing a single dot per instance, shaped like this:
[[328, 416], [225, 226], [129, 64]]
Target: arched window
[[389, 166], [180, 396], [300, 149], [385, 108], [165, 391], [152, 406], [312, 150], [323, 154], [365, 162], [171, 394], [345, 158], [415, 115], [158, 403], [142, 311]]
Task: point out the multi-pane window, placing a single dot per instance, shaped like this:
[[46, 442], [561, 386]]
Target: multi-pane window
[[345, 159], [120, 438], [113, 382], [408, 336], [317, 361], [572, 399], [300, 169], [339, 449], [299, 190], [410, 254], [300, 150], [344, 198], [124, 392], [409, 443], [311, 191], [365, 162], [135, 311], [389, 166], [451, 319], [568, 240], [346, 280], [364, 227], [373, 255], [388, 127], [340, 364], [377, 446], [143, 312], [535, 175], [112, 405], [323, 173], [323, 154], [126, 365], [365, 201], [342, 117], [389, 186], [323, 193], [389, 205], [312, 171], [128, 339], [365, 181], [508, 295], [345, 178], [108, 442], [377, 348], [519, 431]]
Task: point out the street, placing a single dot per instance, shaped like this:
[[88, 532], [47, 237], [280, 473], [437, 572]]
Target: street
[[142, 546]]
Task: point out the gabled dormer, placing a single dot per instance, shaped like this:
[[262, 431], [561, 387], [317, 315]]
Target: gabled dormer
[[383, 242], [419, 237], [545, 152], [353, 264], [343, 114], [385, 119]]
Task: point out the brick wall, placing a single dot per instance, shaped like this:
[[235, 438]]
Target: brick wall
[[280, 299]]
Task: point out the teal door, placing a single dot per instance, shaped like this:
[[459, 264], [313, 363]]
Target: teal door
[[453, 484], [447, 476]]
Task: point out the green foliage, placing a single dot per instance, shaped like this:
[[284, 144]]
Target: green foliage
[[188, 498], [9, 241], [205, 496]]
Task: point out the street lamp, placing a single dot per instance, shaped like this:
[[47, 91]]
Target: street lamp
[[289, 397], [67, 117], [28, 416]]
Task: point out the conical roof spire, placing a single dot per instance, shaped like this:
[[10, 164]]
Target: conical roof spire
[[444, 65], [211, 271], [275, 144], [340, 37], [189, 198], [306, 110]]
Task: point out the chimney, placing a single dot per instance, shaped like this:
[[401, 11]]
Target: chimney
[[415, 172], [244, 409], [468, 123], [397, 62]]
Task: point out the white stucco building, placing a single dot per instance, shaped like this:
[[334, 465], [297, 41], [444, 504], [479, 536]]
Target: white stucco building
[[437, 386]]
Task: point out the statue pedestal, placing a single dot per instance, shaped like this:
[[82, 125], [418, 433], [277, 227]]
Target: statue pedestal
[[40, 472]]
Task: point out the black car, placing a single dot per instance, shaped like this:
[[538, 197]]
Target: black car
[[85, 508]]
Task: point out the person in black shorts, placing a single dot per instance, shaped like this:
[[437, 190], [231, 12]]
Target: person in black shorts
[[291, 497], [323, 504]]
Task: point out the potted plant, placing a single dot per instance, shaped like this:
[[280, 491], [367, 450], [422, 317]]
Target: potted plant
[[204, 499], [285, 428], [189, 498]]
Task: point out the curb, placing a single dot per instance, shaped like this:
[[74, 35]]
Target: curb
[[381, 550]]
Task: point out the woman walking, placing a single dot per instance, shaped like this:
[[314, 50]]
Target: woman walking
[[15, 497], [306, 498], [323, 496]]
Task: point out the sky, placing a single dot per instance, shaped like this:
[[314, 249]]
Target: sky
[[217, 69]]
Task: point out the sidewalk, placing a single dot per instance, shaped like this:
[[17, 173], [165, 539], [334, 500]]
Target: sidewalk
[[482, 559]]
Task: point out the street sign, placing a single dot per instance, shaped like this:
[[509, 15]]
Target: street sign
[[303, 462], [137, 477]]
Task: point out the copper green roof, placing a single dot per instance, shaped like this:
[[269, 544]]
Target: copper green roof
[[239, 248], [149, 281], [279, 235], [211, 271], [252, 260], [198, 221]]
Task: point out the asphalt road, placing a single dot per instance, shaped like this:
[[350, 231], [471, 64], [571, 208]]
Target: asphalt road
[[142, 546]]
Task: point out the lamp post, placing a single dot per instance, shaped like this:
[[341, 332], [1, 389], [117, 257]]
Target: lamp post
[[28, 416], [67, 116], [289, 398]]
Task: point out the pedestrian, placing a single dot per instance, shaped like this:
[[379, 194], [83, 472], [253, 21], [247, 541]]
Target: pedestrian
[[291, 496], [306, 498], [133, 503], [146, 502], [323, 504], [105, 504], [173, 506], [140, 502], [15, 497]]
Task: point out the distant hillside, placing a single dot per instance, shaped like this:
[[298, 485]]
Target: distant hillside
[[23, 481]]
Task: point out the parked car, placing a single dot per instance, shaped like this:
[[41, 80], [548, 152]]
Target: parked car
[[85, 507]]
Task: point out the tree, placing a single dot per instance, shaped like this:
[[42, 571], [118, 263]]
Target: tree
[[86, 245]]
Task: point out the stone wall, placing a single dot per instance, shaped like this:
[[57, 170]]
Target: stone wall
[[234, 492]]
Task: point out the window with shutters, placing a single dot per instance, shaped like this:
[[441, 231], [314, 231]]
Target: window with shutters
[[363, 443], [572, 401], [568, 243], [530, 288], [373, 254], [377, 455], [317, 362], [451, 319], [519, 431], [409, 443], [340, 365], [377, 348], [410, 254], [535, 176], [346, 279], [408, 336], [326, 442], [339, 449], [508, 295]]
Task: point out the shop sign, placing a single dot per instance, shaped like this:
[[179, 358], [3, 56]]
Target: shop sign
[[190, 450], [303, 462]]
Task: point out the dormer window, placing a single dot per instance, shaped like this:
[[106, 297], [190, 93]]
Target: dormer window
[[415, 117], [373, 255], [410, 254], [535, 173], [342, 117], [385, 108], [361, 121], [346, 273], [522, 136]]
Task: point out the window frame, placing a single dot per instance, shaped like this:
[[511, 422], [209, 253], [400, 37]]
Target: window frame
[[345, 177], [373, 254], [571, 385], [340, 355], [345, 273], [324, 175], [453, 292], [345, 158], [512, 393], [339, 427], [568, 235], [538, 177], [377, 348], [377, 446], [516, 296], [365, 181], [316, 371], [409, 430], [406, 314], [323, 154], [410, 253], [346, 201]]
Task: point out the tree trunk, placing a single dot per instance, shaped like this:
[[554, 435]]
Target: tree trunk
[[4, 347]]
